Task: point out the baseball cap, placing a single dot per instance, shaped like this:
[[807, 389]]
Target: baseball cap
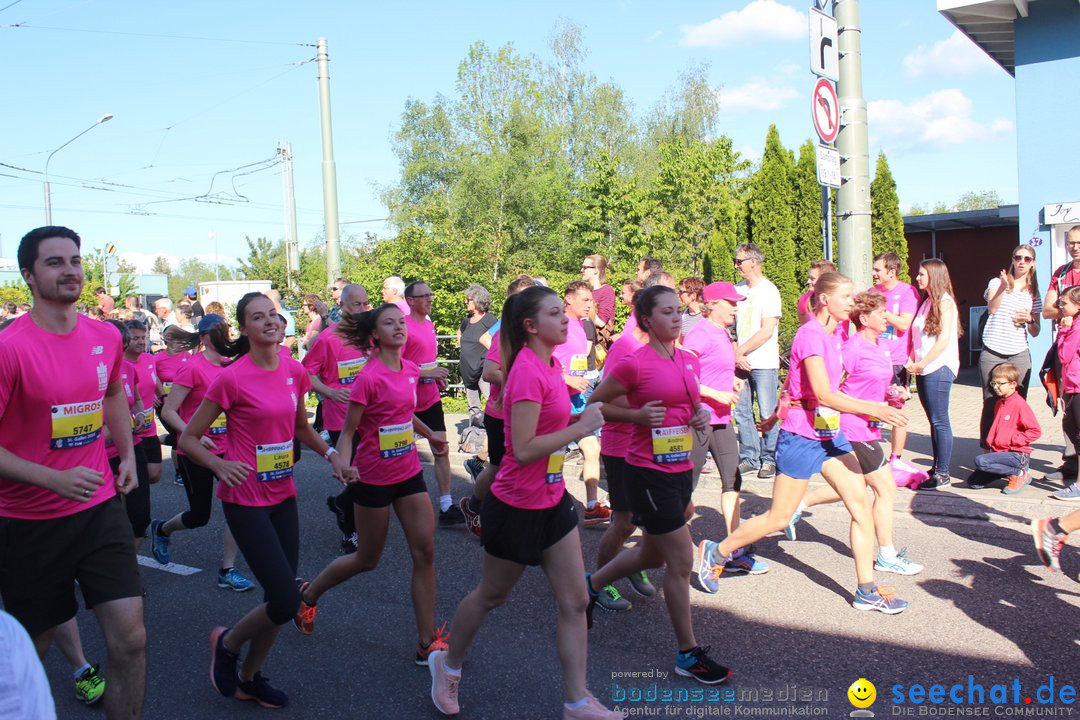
[[721, 291], [190, 290], [209, 322]]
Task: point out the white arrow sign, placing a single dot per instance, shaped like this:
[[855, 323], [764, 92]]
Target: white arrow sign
[[824, 53]]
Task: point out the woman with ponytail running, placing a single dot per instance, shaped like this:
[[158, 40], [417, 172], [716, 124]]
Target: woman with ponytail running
[[528, 517], [261, 395]]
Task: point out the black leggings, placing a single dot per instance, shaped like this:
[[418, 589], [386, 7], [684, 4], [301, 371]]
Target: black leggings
[[137, 502], [199, 486], [344, 499], [269, 537], [1070, 420]]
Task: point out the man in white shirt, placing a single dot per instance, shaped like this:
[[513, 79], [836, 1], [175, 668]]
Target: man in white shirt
[[757, 356]]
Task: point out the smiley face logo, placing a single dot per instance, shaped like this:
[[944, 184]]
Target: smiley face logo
[[862, 693]]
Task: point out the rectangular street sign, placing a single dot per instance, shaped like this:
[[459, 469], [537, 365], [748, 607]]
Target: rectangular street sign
[[824, 52], [828, 166]]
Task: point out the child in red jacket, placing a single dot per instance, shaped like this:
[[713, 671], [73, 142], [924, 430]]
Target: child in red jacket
[[1010, 437]]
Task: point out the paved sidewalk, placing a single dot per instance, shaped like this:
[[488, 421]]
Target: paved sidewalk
[[958, 500]]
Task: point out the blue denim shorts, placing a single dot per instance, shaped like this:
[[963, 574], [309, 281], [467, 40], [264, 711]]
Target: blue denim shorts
[[801, 458]]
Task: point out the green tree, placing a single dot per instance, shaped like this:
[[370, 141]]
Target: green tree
[[192, 271], [982, 200], [808, 241], [886, 222], [771, 225], [161, 265], [265, 261]]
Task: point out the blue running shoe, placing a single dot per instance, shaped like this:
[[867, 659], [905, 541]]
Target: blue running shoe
[[474, 466], [233, 580], [883, 599], [159, 544], [709, 571], [1070, 493], [790, 529], [744, 562], [901, 565], [696, 663], [222, 664]]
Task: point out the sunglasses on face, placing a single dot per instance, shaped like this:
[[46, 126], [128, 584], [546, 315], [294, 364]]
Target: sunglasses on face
[[1022, 258]]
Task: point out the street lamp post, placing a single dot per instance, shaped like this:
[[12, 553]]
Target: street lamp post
[[48, 199]]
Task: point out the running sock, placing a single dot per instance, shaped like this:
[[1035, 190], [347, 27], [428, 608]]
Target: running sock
[[802, 507], [475, 503], [1056, 526], [867, 588], [222, 571], [445, 501], [590, 504], [454, 672], [81, 670], [159, 531], [577, 705], [887, 552]]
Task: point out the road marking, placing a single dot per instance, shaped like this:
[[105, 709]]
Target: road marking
[[174, 568]]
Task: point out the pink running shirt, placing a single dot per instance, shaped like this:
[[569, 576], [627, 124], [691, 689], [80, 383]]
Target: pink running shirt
[[129, 379], [869, 373], [52, 393], [144, 371], [716, 355], [422, 348], [197, 374], [538, 485], [166, 366], [811, 340], [261, 408], [902, 299], [337, 364], [573, 354], [387, 450], [494, 406], [647, 376], [616, 435]]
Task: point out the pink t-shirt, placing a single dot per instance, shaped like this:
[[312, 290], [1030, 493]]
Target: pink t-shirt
[[422, 348], [902, 299], [197, 374], [129, 379], [573, 354], [261, 408], [52, 393], [144, 371], [616, 435], [285, 353], [716, 355], [336, 363], [869, 373], [631, 322], [804, 303], [387, 450], [811, 340], [494, 406], [166, 366], [673, 381], [539, 484]]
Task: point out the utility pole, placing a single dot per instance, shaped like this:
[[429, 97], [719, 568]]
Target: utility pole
[[217, 258], [292, 243], [853, 198], [329, 170]]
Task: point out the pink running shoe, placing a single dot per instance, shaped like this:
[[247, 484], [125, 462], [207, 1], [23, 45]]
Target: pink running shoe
[[592, 710], [444, 686]]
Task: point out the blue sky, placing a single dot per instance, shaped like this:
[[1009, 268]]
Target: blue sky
[[200, 88]]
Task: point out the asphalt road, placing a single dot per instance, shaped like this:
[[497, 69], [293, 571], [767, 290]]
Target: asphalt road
[[984, 607]]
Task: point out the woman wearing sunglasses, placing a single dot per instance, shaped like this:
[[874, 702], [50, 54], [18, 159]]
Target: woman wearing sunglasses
[[1013, 311]]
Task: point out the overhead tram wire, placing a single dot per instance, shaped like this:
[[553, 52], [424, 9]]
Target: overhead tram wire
[[30, 26]]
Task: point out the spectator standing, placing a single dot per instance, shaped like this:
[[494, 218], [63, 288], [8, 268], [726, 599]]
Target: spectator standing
[[290, 321], [594, 272], [757, 355], [1064, 277], [690, 289], [197, 310], [105, 301], [393, 291], [474, 327], [316, 310], [335, 292]]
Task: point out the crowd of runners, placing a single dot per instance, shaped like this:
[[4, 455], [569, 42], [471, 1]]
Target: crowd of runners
[[85, 411]]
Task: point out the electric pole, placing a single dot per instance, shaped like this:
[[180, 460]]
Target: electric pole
[[853, 198], [329, 170], [292, 243]]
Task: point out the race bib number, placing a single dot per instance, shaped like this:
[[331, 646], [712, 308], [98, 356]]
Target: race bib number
[[347, 370], [428, 366], [554, 467], [274, 462], [579, 365], [875, 423], [76, 424], [166, 388], [671, 444], [150, 419], [826, 423], [218, 427], [395, 440], [889, 334]]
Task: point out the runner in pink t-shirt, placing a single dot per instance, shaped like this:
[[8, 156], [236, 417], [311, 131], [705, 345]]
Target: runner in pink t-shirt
[[166, 364], [148, 390], [811, 441], [137, 502], [262, 396], [528, 517], [710, 341], [189, 387], [483, 473], [659, 382], [60, 388], [423, 349], [382, 411], [868, 372]]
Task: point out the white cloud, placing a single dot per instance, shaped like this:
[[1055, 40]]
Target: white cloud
[[940, 119], [952, 57], [755, 95], [760, 20]]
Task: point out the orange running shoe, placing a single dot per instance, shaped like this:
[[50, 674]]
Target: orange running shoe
[[305, 616], [600, 513], [439, 642]]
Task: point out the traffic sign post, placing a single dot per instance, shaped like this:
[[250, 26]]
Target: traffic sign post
[[825, 110]]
